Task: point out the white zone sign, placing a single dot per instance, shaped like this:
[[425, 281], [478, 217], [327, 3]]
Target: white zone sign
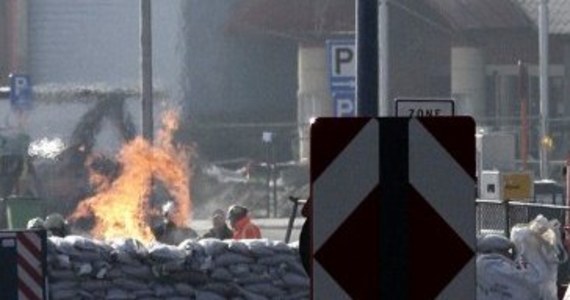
[[424, 107]]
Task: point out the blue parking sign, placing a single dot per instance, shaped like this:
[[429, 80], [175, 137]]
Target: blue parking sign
[[344, 103], [342, 75], [20, 92]]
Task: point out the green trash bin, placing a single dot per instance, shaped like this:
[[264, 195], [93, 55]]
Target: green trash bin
[[20, 209]]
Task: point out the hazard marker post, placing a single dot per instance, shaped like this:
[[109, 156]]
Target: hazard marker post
[[23, 275], [392, 208]]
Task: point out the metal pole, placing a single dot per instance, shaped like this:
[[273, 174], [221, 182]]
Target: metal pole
[[268, 165], [274, 179], [507, 227], [367, 58], [146, 69], [543, 67], [523, 98], [295, 201], [567, 213], [384, 104]]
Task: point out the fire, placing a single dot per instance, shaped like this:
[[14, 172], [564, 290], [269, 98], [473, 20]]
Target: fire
[[121, 207]]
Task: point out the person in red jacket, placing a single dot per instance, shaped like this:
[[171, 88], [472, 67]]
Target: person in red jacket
[[241, 223]]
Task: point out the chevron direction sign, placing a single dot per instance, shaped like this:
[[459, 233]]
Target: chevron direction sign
[[393, 208], [23, 272]]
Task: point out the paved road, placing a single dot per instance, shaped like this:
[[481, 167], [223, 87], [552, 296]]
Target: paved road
[[274, 229]]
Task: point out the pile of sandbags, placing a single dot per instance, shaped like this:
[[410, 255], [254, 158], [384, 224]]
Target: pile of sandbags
[[82, 268]]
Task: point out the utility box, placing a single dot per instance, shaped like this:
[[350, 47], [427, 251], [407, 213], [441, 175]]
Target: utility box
[[19, 210], [496, 185]]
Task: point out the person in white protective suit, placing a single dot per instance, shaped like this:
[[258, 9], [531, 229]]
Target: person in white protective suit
[[523, 268]]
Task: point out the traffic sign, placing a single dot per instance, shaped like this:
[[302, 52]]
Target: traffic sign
[[424, 107], [345, 104], [341, 56], [20, 92], [390, 199]]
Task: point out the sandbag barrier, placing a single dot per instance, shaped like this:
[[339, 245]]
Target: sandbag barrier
[[209, 269]]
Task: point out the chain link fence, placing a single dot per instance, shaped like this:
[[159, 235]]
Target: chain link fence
[[494, 216]]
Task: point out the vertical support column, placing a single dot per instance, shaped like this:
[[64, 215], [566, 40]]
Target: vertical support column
[[367, 57], [567, 213], [18, 35], [468, 80], [313, 96], [146, 69], [543, 82], [384, 103]]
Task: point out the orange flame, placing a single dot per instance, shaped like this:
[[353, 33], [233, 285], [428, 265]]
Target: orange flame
[[121, 208]]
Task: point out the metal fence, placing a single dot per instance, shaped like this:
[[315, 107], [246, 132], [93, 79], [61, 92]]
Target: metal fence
[[495, 216]]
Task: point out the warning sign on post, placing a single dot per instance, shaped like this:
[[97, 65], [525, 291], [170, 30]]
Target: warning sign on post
[[408, 184]]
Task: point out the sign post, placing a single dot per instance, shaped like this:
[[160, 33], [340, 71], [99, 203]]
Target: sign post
[[390, 199]]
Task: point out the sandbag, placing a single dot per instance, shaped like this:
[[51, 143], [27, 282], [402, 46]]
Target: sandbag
[[207, 295], [294, 280], [95, 285], [229, 258], [239, 269], [260, 247], [129, 284], [63, 294], [118, 294], [130, 246], [162, 253], [213, 247], [265, 289], [221, 274], [78, 268], [163, 290], [238, 247], [184, 289]]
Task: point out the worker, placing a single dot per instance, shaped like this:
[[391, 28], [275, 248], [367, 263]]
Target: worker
[[241, 223], [220, 229], [35, 224], [168, 232], [56, 225]]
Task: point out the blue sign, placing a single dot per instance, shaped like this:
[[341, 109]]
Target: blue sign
[[342, 75], [20, 92], [344, 103]]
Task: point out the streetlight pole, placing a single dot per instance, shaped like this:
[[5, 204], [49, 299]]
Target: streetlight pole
[[146, 69], [384, 104], [367, 58], [543, 71]]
